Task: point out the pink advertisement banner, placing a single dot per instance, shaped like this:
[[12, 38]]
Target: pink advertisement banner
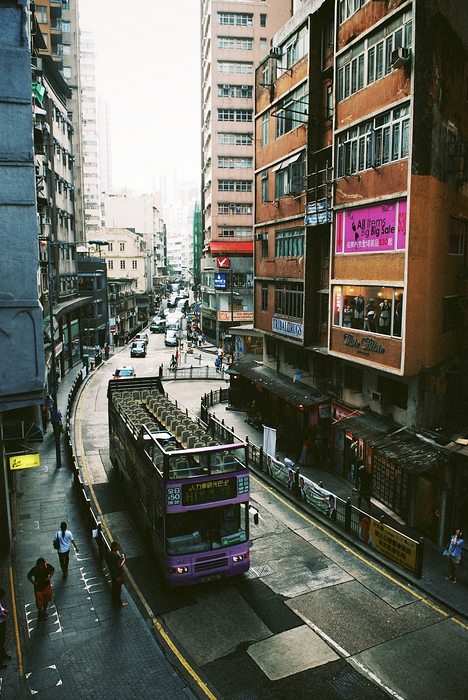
[[378, 228]]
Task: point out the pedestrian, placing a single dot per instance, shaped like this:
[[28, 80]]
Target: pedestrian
[[200, 340], [45, 417], [40, 576], [203, 338], [62, 540], [116, 340], [454, 549], [364, 486], [218, 364], [3, 616], [173, 364], [116, 564], [56, 420], [304, 458], [49, 405], [97, 350], [161, 369], [106, 351]]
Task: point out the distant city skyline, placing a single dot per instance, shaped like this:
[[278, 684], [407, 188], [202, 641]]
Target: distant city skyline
[[148, 71]]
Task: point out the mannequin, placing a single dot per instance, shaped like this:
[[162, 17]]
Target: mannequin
[[359, 307], [359, 311], [369, 323], [398, 316], [384, 317], [347, 314]]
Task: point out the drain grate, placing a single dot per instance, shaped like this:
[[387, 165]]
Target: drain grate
[[349, 686], [316, 565], [260, 570]]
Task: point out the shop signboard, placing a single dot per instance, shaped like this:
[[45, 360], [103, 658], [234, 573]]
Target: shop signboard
[[376, 228]]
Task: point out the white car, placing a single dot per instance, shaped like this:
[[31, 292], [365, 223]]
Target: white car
[[124, 372]]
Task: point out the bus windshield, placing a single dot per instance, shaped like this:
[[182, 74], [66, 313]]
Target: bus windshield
[[202, 531], [220, 461]]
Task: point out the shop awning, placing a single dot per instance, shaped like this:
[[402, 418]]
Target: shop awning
[[396, 444], [367, 427], [414, 454], [231, 247], [284, 164], [294, 392]]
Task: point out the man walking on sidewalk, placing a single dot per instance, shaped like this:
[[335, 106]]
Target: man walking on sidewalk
[[64, 538]]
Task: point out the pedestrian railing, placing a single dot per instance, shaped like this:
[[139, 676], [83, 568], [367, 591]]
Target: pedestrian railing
[[373, 532], [194, 372]]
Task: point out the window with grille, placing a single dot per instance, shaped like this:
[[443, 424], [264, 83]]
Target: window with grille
[[374, 143], [289, 243], [289, 299]]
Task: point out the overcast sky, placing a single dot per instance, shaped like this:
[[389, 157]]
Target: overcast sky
[[148, 71]]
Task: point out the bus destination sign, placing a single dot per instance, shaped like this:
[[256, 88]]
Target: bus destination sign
[[209, 491]]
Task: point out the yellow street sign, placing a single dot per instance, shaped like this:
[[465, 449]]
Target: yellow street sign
[[25, 461]]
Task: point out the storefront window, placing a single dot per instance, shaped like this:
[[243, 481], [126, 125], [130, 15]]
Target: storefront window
[[370, 309]]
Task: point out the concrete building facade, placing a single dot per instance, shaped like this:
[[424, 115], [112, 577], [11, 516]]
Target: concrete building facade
[[235, 36], [360, 239]]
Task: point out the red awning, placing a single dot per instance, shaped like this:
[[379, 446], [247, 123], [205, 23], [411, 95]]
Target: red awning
[[231, 247]]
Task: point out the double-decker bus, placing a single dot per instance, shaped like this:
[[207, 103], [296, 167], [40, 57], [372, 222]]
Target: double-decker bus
[[190, 493]]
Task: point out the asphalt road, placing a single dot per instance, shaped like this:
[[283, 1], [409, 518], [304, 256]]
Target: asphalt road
[[312, 618]]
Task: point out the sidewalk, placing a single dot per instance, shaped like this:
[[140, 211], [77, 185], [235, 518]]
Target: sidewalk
[[86, 648]]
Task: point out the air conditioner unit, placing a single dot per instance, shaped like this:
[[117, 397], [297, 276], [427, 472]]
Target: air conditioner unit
[[244, 87], [376, 397], [226, 87], [276, 52], [399, 57], [46, 221], [36, 63], [232, 205]]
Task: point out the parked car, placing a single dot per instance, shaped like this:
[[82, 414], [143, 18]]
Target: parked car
[[138, 349], [142, 338], [158, 325], [124, 372], [171, 338]]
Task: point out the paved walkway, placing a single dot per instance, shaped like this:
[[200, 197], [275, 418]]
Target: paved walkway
[[86, 648]]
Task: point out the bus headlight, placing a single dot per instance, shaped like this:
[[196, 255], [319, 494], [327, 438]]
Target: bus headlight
[[177, 569], [240, 557]]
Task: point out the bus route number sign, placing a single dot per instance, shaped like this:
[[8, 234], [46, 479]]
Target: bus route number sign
[[209, 491]]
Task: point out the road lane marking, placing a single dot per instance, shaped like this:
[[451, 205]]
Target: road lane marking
[[157, 625]]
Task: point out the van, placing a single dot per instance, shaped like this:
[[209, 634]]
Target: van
[[173, 322], [158, 325]]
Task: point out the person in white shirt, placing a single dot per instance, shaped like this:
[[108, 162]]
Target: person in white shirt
[[65, 540]]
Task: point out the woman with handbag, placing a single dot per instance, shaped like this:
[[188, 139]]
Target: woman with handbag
[[116, 564], [62, 541], [454, 549]]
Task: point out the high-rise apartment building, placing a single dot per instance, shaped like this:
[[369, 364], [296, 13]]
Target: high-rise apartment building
[[90, 132], [235, 37]]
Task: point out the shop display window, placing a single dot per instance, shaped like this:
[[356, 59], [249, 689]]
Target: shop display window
[[370, 309]]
